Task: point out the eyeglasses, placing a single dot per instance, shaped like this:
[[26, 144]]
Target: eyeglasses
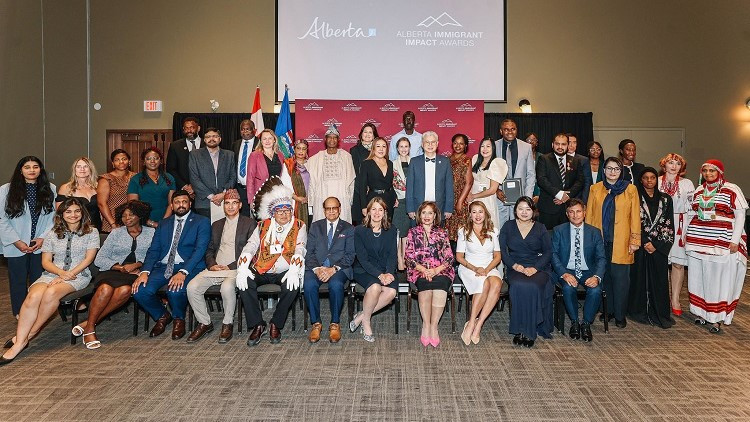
[[283, 211], [612, 169], [330, 208], [595, 149]]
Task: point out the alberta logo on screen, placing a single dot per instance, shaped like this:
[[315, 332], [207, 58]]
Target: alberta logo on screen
[[320, 29], [447, 123], [351, 139], [389, 107], [313, 139], [428, 107], [351, 107], [466, 107], [313, 106], [372, 122], [328, 123], [443, 20]]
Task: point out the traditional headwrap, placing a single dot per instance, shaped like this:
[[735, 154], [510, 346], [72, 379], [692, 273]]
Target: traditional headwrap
[[716, 165], [231, 194], [608, 206], [332, 131], [273, 199]]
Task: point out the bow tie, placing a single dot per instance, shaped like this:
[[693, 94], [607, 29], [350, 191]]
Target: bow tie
[[429, 160]]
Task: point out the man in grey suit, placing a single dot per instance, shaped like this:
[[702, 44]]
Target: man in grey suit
[[520, 160], [430, 178], [588, 180], [212, 172]]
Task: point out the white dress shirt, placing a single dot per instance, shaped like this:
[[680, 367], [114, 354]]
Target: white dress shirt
[[429, 179]]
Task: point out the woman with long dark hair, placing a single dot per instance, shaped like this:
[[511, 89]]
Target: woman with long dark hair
[[489, 172], [462, 181], [375, 179], [28, 205], [360, 153], [296, 177], [112, 189], [153, 185]]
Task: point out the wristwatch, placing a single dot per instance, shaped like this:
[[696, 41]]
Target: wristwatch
[[336, 267]]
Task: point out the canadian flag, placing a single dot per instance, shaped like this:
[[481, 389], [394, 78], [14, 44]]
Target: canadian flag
[[257, 114]]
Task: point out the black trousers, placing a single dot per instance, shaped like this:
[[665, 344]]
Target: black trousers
[[253, 314], [242, 190], [20, 270]]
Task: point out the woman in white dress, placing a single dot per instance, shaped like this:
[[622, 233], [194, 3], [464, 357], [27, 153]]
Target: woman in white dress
[[478, 253], [672, 182], [489, 173]]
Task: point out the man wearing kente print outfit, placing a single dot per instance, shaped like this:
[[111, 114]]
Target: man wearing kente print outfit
[[274, 254]]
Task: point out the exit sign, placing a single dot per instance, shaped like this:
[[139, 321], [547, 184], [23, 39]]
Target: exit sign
[[152, 105]]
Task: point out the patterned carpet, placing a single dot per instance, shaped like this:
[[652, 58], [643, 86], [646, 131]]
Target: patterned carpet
[[637, 373]]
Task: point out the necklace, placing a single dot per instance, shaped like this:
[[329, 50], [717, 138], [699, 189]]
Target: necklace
[[670, 188], [374, 234], [706, 200]]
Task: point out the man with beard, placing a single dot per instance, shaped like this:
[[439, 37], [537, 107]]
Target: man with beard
[[631, 170], [331, 174], [242, 148], [560, 177], [415, 138], [520, 160], [173, 259], [211, 173], [179, 150]]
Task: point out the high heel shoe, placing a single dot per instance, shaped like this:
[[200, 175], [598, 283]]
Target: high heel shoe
[[466, 337], [77, 331], [352, 325], [475, 340], [435, 342], [676, 311], [8, 344], [425, 341]]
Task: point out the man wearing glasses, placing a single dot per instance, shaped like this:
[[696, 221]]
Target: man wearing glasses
[[520, 162]]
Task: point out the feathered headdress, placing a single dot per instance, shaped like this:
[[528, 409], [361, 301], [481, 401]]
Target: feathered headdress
[[271, 196]]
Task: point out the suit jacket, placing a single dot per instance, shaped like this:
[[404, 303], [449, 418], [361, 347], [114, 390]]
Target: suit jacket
[[587, 179], [524, 166], [178, 162], [245, 227], [342, 251], [415, 184], [196, 233], [627, 219], [593, 250], [238, 143], [257, 173], [550, 183], [203, 179]]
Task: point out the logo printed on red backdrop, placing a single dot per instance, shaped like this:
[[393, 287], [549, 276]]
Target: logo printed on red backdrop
[[445, 117]]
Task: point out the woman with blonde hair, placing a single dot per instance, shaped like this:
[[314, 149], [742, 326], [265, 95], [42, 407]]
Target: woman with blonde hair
[[266, 161], [478, 253], [82, 185]]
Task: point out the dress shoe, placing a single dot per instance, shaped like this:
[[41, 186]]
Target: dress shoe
[[226, 333], [199, 332], [334, 333], [274, 333], [161, 325], [178, 329], [8, 344], [4, 361], [315, 330], [528, 342], [586, 332], [610, 317], [425, 341], [575, 330], [517, 339], [676, 311], [435, 342], [255, 336], [621, 324]]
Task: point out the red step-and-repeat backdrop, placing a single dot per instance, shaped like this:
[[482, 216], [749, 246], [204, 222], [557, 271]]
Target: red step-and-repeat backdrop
[[445, 117]]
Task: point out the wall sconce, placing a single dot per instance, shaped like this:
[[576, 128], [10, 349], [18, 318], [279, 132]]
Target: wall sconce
[[525, 106], [214, 105]]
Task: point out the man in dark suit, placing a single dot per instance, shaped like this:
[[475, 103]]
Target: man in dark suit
[[588, 180], [578, 259], [173, 259], [242, 149], [631, 171], [212, 172], [179, 150], [560, 177], [430, 178], [228, 236], [329, 259]]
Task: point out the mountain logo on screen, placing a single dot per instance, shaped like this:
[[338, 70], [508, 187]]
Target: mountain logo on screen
[[351, 139], [443, 20], [313, 138], [389, 107], [428, 107], [466, 107], [447, 123], [331, 122], [351, 107], [313, 106], [372, 122]]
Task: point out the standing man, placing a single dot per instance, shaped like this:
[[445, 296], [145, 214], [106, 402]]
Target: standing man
[[430, 178], [242, 149], [331, 174], [520, 160], [173, 259], [631, 170], [212, 172], [560, 177], [578, 259], [588, 180], [415, 138], [228, 236], [178, 154], [329, 259]]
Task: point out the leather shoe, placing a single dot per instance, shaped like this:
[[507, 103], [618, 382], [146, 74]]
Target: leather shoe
[[517, 339], [178, 329], [610, 317], [315, 330], [586, 332], [255, 336], [8, 344], [161, 325], [199, 331], [334, 332], [5, 361], [274, 333], [621, 324], [575, 330], [529, 343], [226, 333]]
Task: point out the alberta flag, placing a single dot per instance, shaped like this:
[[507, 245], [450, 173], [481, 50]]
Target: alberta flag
[[284, 127]]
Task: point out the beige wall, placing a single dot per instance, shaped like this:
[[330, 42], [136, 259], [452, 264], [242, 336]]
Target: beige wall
[[634, 64]]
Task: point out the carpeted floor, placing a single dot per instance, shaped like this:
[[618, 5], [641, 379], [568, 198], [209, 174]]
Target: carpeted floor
[[632, 374]]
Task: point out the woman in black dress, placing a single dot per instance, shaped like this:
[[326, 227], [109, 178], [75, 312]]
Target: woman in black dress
[[526, 251], [375, 179], [359, 153], [648, 301]]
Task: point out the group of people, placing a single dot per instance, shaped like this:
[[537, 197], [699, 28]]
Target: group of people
[[505, 213]]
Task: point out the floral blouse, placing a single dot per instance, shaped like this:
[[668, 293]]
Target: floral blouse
[[657, 226], [430, 252]]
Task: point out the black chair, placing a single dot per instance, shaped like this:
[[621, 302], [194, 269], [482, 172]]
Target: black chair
[[357, 295], [264, 292], [161, 293], [560, 313]]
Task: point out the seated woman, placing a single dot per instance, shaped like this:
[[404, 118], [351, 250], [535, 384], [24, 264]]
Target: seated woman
[[478, 252], [375, 242], [429, 263], [527, 252], [67, 251], [119, 261]]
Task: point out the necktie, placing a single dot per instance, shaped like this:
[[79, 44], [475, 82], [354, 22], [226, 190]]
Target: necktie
[[429, 160], [192, 145], [243, 161], [562, 169], [327, 262], [577, 243], [173, 250]]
